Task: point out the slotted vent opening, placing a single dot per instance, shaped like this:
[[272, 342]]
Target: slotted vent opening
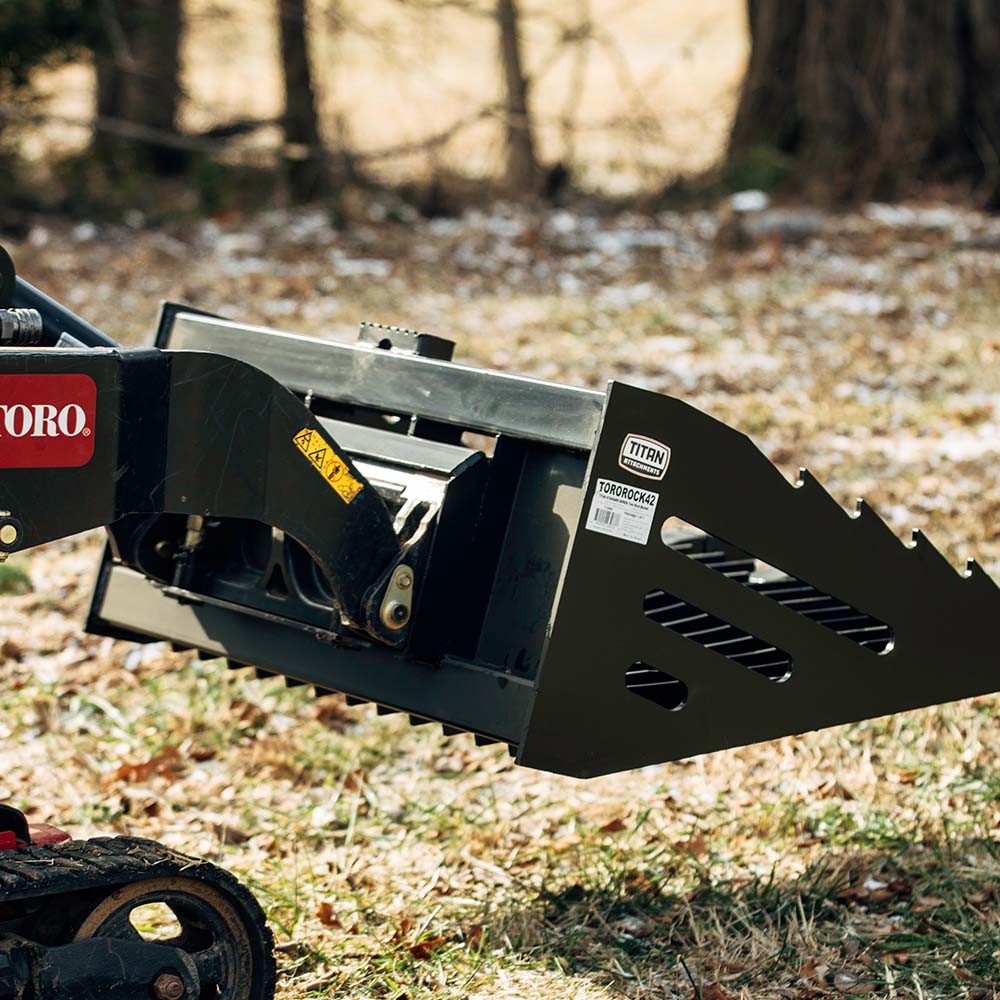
[[788, 591], [654, 685], [713, 633]]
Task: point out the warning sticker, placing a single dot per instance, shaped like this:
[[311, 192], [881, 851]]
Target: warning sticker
[[622, 511], [328, 463]]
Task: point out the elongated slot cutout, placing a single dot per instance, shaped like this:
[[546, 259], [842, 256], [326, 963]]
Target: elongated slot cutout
[[721, 637], [824, 609], [654, 685]]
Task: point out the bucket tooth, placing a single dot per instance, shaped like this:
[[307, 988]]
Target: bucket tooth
[[451, 730], [236, 664], [978, 576], [293, 682], [419, 720], [871, 523], [929, 553], [353, 700], [815, 493], [322, 692], [386, 710], [262, 674], [485, 741]]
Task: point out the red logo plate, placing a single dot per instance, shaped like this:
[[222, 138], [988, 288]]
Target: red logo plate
[[46, 421]]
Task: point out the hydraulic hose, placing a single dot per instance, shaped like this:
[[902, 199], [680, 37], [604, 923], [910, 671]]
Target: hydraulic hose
[[57, 320]]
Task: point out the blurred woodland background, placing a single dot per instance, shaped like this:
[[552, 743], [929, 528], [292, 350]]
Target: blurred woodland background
[[232, 104]]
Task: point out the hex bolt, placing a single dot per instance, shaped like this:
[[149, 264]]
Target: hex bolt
[[8, 534], [168, 987], [404, 580], [399, 612]]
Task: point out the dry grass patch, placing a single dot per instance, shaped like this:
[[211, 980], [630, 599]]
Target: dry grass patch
[[861, 861]]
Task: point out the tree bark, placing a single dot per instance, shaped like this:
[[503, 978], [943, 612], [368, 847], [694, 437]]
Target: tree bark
[[855, 99], [108, 107], [523, 173], [138, 79], [306, 165]]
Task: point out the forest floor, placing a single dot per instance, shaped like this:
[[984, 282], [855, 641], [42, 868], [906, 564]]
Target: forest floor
[[861, 861]]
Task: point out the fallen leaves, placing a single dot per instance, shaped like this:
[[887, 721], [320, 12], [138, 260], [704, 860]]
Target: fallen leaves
[[168, 763], [416, 941], [711, 991], [873, 366], [427, 947], [10, 650], [873, 890], [615, 825]]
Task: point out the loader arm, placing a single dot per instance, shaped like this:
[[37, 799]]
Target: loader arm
[[90, 437]]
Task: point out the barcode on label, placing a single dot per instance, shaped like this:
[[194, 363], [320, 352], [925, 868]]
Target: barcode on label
[[606, 517]]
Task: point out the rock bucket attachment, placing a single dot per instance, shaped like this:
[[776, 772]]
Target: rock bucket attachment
[[601, 580]]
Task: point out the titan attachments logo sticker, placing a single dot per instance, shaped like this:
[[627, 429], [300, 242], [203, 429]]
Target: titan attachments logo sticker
[[644, 456], [47, 421]]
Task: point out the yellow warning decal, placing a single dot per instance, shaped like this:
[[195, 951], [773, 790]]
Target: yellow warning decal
[[328, 463]]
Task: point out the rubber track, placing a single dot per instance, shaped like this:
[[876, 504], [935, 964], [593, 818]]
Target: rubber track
[[105, 862]]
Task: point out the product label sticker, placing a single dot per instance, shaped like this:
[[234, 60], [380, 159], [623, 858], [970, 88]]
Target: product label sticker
[[328, 464], [644, 456], [622, 511]]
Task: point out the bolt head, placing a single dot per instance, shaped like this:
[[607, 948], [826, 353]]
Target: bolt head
[[8, 534], [168, 987], [404, 581], [395, 614]]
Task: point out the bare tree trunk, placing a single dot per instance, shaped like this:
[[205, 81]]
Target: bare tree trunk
[[138, 78], [109, 106], [152, 87], [766, 105], [523, 173], [307, 171], [856, 100]]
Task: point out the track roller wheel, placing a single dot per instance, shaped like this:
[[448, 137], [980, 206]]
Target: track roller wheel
[[222, 928]]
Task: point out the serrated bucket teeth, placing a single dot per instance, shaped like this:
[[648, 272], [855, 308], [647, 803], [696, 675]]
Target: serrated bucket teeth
[[837, 619]]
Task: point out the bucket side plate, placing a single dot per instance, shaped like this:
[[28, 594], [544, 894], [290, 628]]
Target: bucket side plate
[[933, 626]]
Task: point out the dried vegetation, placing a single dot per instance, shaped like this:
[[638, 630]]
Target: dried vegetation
[[861, 861]]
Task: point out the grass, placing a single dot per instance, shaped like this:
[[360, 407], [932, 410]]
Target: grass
[[859, 861], [14, 579]]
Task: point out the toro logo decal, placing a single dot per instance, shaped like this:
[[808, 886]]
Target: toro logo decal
[[46, 421], [644, 457]]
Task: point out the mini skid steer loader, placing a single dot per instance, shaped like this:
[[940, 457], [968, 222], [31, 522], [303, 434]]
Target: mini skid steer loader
[[598, 580]]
